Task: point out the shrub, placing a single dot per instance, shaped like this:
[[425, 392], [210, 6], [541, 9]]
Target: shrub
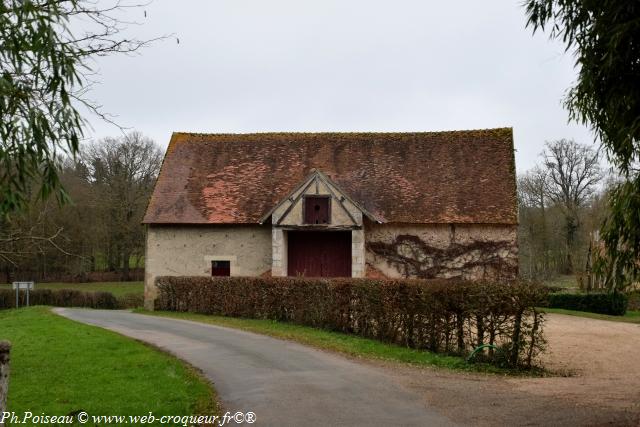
[[609, 303], [441, 316], [59, 298], [131, 301], [634, 300]]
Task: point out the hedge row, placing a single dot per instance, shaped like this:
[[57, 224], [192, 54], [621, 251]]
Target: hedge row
[[613, 304], [634, 300], [441, 316], [59, 298]]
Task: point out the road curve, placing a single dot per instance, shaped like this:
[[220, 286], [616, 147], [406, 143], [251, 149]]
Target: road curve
[[283, 383]]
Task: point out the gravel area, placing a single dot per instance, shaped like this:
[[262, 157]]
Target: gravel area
[[598, 382], [601, 357]]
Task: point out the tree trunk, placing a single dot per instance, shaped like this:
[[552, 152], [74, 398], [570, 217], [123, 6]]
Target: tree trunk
[[460, 333], [545, 243], [125, 266], [7, 272], [480, 326], [515, 340], [571, 228]]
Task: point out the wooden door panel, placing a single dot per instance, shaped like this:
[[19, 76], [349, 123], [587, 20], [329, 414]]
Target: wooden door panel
[[317, 210], [319, 254]]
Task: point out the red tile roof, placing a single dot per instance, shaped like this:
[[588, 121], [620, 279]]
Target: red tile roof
[[425, 177]]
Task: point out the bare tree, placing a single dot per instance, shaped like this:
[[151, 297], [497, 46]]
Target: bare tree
[[122, 172], [532, 195], [532, 187], [573, 172], [99, 229], [26, 237]]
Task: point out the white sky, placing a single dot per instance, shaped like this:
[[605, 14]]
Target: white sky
[[331, 65]]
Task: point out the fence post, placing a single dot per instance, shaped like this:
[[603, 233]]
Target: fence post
[[5, 348]]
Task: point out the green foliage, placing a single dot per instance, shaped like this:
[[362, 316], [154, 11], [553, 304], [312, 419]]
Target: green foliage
[[620, 262], [450, 317], [44, 78], [39, 70], [59, 366], [604, 35], [610, 303]]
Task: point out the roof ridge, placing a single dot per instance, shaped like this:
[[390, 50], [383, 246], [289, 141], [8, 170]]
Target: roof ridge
[[483, 130]]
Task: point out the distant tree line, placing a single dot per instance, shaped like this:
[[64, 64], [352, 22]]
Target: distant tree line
[[562, 204], [99, 229]]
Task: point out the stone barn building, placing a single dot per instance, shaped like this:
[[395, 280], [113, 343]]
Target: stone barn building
[[419, 205]]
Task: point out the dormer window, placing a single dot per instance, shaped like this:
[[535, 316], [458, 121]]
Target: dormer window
[[317, 210]]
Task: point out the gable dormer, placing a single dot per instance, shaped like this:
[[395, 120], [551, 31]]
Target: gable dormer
[[318, 202]]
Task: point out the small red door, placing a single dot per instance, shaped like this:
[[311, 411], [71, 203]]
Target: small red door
[[319, 253]]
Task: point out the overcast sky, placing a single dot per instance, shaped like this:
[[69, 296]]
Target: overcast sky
[[336, 65]]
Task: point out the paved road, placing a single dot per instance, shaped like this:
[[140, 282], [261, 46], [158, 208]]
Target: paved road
[[283, 383]]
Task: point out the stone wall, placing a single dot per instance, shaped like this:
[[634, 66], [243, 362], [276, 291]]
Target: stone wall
[[469, 251], [189, 250], [378, 250]]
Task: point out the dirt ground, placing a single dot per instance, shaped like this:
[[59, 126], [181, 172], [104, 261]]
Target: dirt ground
[[598, 382]]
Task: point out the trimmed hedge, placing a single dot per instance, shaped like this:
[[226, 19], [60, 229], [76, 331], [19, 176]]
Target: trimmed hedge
[[440, 316], [634, 300], [59, 298], [613, 304], [131, 300]]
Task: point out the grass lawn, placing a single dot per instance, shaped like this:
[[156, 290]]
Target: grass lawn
[[567, 282], [59, 366], [630, 317], [116, 288], [350, 345]]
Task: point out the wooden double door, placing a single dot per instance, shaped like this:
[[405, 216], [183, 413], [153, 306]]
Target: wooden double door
[[319, 253]]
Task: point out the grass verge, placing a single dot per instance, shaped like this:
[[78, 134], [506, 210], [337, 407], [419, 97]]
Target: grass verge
[[630, 317], [118, 289], [350, 345], [59, 366]]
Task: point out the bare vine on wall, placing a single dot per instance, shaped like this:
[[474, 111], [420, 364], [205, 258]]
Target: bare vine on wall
[[413, 257]]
